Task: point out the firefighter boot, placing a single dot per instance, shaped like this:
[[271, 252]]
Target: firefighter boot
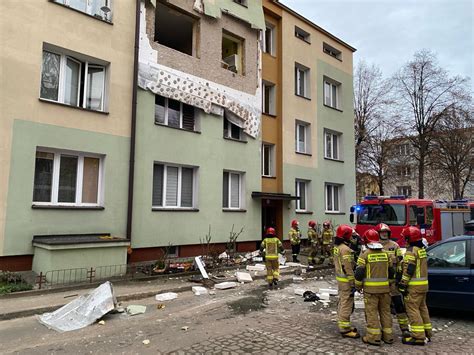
[[413, 341], [370, 342], [353, 334]]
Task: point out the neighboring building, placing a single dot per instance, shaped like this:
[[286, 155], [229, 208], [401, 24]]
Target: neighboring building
[[366, 185], [307, 122], [65, 98]]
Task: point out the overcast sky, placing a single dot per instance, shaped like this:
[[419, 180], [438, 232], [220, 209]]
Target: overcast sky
[[388, 32]]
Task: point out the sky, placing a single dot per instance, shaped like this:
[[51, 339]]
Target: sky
[[388, 32]]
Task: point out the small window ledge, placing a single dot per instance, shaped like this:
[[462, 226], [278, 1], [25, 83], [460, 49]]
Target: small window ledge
[[303, 97], [268, 177], [303, 212], [333, 108], [272, 115], [165, 209], [304, 40], [335, 160], [81, 12], [334, 212], [73, 107], [177, 128], [333, 56], [307, 154], [235, 140], [59, 207], [233, 210]]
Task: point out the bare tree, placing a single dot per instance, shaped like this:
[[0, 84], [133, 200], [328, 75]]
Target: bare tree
[[453, 155], [424, 92], [371, 98]]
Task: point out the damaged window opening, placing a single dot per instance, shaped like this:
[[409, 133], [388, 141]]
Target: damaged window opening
[[232, 53], [172, 113], [175, 29], [233, 131]]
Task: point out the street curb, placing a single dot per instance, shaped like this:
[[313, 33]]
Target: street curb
[[123, 298]]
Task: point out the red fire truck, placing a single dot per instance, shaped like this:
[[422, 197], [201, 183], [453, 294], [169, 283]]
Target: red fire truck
[[437, 219]]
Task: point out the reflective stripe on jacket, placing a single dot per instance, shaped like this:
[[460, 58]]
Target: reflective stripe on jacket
[[418, 282], [344, 266], [272, 246], [374, 263], [295, 236]]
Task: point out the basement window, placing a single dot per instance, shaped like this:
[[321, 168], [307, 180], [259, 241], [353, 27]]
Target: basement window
[[174, 29], [232, 53]]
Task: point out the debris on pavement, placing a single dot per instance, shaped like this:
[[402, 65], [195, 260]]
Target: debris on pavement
[[224, 255], [168, 296], [82, 311], [310, 296], [256, 267], [299, 291], [199, 290], [196, 278], [146, 341], [330, 291], [185, 328], [135, 309], [297, 279], [225, 285], [281, 259], [200, 265], [102, 322], [243, 277]]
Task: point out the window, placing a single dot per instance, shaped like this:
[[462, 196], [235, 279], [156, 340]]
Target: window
[[333, 52], [173, 113], [67, 178], [404, 149], [232, 131], [302, 193], [391, 214], [232, 190], [71, 81], [333, 197], [404, 190], [448, 255], [331, 94], [241, 2], [268, 160], [173, 186], [268, 100], [403, 171], [332, 144], [98, 8], [303, 137], [175, 29], [232, 52], [301, 80], [302, 34], [269, 40]]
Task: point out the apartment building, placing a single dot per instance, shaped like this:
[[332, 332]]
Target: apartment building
[[65, 108]]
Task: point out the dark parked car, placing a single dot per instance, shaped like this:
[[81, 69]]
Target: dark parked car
[[451, 274]]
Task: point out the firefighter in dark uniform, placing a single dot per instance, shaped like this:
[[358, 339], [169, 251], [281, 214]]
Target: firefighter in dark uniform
[[314, 242], [295, 240], [414, 286]]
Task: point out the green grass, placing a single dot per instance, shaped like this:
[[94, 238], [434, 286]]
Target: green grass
[[14, 287]]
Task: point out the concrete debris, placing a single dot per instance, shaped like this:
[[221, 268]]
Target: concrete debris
[[243, 277], [297, 279], [225, 285], [102, 322], [82, 311], [333, 312], [185, 328], [281, 259], [284, 267], [199, 290], [256, 267], [200, 265], [224, 255], [329, 291], [299, 291], [146, 341], [359, 304], [212, 293], [168, 296], [324, 296], [135, 309], [257, 259], [292, 264]]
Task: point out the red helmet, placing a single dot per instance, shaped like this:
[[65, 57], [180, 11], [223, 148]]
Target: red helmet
[[411, 234], [312, 224], [270, 232], [326, 224], [371, 236], [294, 223], [344, 232], [382, 227]]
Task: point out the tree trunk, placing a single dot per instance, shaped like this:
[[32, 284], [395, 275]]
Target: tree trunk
[[421, 174], [380, 183]]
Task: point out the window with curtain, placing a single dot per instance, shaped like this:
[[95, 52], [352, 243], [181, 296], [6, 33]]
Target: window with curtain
[[232, 190], [173, 186]]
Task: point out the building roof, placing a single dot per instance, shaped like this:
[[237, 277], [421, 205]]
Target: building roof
[[312, 24]]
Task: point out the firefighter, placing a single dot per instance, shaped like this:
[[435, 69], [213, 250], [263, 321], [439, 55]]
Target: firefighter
[[295, 240], [344, 266], [372, 276], [314, 240], [327, 236], [414, 286], [271, 246], [356, 243]]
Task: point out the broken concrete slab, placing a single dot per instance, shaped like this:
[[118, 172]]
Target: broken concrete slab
[[324, 296], [225, 285], [134, 309], [199, 290], [168, 296], [330, 291], [243, 277], [200, 266], [82, 311], [256, 267], [299, 291], [359, 304], [281, 259]]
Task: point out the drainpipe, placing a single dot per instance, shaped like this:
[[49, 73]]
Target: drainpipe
[[131, 171]]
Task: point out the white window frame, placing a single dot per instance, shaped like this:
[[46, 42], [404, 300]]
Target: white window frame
[[307, 137], [329, 139], [272, 98], [329, 188], [62, 80], [271, 154], [179, 187], [229, 131], [229, 192], [79, 178], [298, 183], [165, 123], [333, 102], [302, 73], [88, 9], [272, 50]]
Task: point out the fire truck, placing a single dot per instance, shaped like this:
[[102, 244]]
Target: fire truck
[[437, 220]]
